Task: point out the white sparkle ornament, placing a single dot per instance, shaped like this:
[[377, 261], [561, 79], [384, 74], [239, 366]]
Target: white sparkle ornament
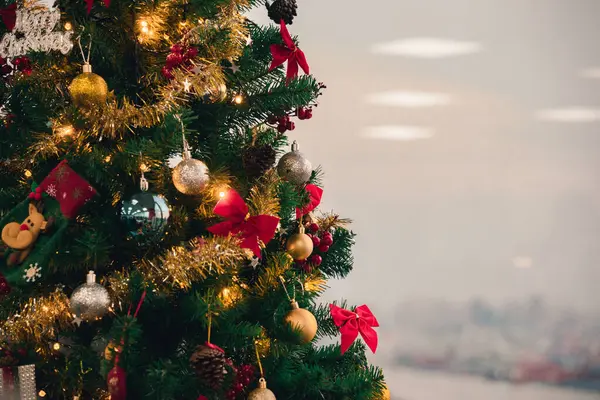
[[33, 273], [33, 31], [190, 176], [90, 301]]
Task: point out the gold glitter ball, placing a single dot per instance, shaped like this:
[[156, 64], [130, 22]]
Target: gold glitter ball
[[190, 176], [88, 89]]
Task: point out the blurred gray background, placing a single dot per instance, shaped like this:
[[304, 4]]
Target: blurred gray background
[[462, 136]]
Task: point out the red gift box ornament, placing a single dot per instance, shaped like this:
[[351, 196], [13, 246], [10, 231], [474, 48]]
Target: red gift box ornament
[[351, 324], [315, 194], [90, 4], [251, 229], [9, 16], [288, 52], [68, 188]]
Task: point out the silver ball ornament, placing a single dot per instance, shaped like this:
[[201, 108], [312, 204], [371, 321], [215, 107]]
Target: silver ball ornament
[[90, 301], [145, 215], [190, 176], [294, 167]]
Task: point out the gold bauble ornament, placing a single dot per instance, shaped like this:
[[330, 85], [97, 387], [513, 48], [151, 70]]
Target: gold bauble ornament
[[110, 350], [261, 393], [88, 89], [303, 321], [385, 394], [299, 245], [190, 176]]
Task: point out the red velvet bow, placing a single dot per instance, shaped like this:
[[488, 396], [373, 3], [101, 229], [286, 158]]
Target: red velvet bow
[[314, 193], [252, 230], [90, 3], [352, 323], [290, 53], [9, 16]]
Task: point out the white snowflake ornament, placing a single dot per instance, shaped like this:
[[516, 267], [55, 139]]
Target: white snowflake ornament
[[33, 273], [51, 190]]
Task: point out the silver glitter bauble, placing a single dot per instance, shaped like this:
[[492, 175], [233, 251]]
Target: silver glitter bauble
[[145, 215], [294, 167], [90, 301], [190, 176]]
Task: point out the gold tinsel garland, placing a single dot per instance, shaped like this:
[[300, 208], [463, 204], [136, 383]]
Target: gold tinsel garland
[[180, 267], [263, 198], [39, 320]]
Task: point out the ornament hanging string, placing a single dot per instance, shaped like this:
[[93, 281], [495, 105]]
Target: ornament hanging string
[[85, 60], [260, 367], [293, 298]]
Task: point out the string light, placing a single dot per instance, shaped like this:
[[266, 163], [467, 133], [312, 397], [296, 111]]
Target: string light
[[229, 296], [143, 167], [65, 131], [144, 25], [68, 26], [56, 346], [221, 194], [27, 173], [238, 99], [107, 158], [42, 393]]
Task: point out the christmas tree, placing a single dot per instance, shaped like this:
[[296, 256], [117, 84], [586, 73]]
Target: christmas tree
[[161, 235]]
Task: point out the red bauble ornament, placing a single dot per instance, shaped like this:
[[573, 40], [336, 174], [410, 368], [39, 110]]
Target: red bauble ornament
[[290, 125], [315, 260], [323, 248], [308, 114], [281, 128], [117, 383]]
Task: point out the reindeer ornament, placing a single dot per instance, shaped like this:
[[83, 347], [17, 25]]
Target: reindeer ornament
[[22, 237]]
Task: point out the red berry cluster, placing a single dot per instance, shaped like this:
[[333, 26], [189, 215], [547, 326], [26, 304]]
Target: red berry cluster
[[322, 241], [243, 376], [284, 122], [181, 56], [21, 64], [304, 113]]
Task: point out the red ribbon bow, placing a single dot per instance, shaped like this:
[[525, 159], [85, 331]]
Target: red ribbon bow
[[252, 230], [314, 193], [290, 53], [90, 4], [352, 323], [9, 16]]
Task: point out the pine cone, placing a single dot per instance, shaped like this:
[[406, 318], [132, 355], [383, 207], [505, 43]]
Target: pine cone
[[258, 159], [282, 10], [209, 364]]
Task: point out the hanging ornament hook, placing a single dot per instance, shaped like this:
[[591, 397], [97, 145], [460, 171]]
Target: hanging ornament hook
[[143, 181], [86, 59]]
